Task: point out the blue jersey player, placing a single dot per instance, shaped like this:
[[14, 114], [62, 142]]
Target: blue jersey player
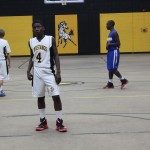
[[113, 56]]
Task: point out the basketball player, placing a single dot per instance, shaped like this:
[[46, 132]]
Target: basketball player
[[113, 56], [44, 55], [4, 61]]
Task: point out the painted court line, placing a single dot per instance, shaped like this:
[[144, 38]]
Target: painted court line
[[97, 97]]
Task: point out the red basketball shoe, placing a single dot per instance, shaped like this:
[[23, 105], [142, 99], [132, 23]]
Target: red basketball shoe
[[124, 82], [43, 125], [59, 126], [109, 86]]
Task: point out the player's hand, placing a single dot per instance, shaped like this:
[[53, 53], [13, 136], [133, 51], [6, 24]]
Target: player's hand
[[58, 78], [29, 76], [9, 66]]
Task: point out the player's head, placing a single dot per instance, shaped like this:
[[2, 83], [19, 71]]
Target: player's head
[[110, 24], [38, 28], [2, 33]]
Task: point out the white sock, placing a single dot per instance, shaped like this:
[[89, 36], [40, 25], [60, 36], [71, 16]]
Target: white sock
[[1, 88], [59, 114], [42, 113], [110, 80], [122, 78]]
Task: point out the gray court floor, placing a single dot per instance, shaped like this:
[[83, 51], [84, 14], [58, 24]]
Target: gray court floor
[[97, 119]]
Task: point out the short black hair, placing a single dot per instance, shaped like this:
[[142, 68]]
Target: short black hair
[[37, 21], [112, 22]]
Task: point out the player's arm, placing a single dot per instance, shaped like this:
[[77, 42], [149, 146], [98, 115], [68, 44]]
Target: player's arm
[[57, 61], [30, 65], [7, 51], [8, 60], [117, 40]]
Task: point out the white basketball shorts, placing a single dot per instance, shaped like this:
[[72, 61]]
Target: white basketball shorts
[[44, 79], [3, 70]]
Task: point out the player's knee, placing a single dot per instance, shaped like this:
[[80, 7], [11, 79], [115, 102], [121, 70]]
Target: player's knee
[[112, 70], [41, 102], [56, 98], [41, 98], [115, 71]]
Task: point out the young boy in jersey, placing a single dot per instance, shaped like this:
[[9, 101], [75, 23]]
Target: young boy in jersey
[[44, 55], [113, 56], [4, 61]]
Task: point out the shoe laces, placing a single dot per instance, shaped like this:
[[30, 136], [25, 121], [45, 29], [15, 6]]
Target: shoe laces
[[41, 125], [59, 123], [43, 122]]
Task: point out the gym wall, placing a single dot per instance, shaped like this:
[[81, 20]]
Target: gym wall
[[18, 31], [86, 20], [132, 29]]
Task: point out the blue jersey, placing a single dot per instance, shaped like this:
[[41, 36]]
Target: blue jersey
[[113, 55], [111, 39]]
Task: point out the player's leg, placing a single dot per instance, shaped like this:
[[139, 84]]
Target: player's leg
[[3, 76], [116, 72], [110, 56], [43, 122], [38, 90], [109, 84], [41, 106], [124, 82], [2, 94], [116, 64], [57, 103], [58, 109], [53, 90]]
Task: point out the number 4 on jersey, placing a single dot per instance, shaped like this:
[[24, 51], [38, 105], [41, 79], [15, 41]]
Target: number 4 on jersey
[[38, 57]]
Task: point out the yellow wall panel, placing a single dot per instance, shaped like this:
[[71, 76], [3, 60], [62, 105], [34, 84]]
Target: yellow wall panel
[[66, 31], [18, 31], [141, 22], [131, 27], [123, 24]]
